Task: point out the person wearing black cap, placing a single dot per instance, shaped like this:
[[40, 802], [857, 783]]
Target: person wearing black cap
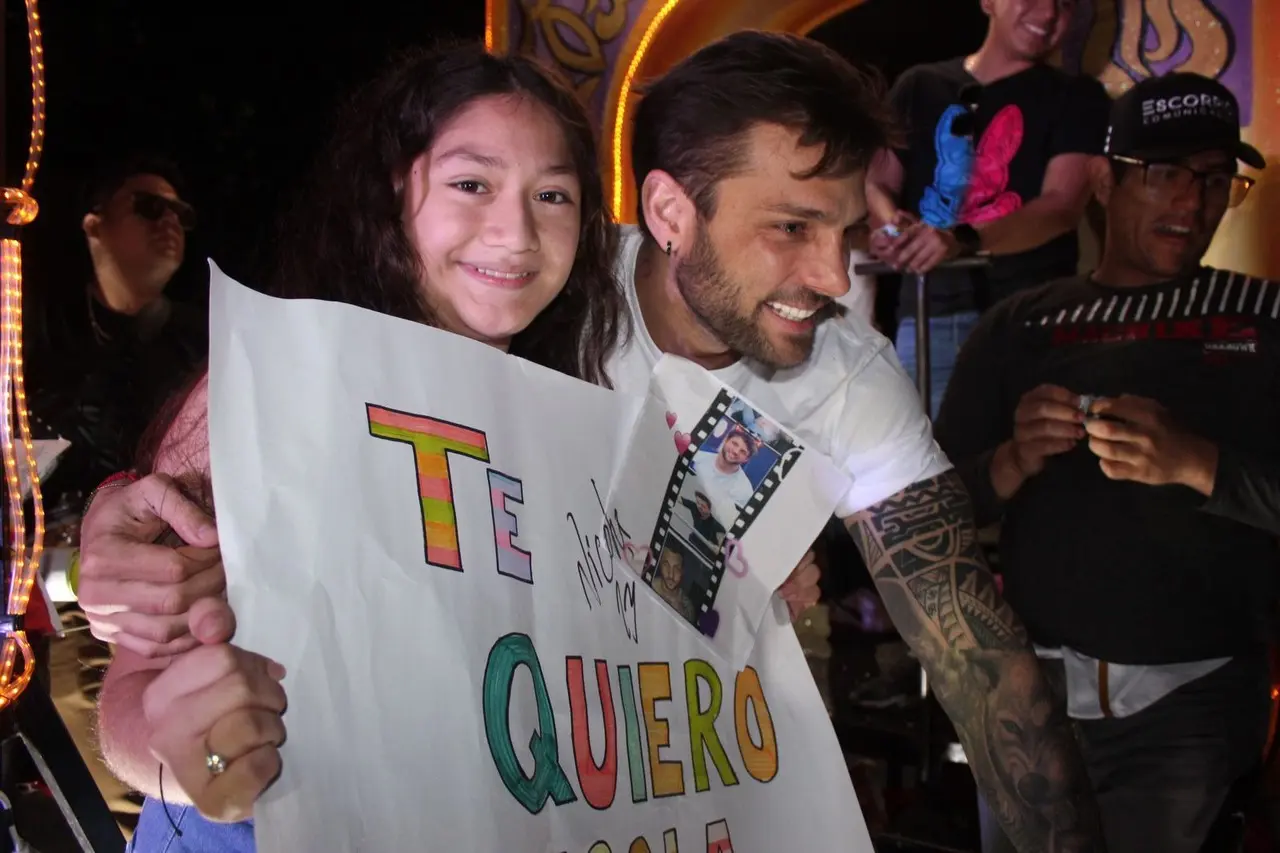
[[995, 159], [1126, 427]]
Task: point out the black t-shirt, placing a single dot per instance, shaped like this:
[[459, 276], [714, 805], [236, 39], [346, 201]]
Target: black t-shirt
[[1122, 571], [99, 378], [1021, 123]]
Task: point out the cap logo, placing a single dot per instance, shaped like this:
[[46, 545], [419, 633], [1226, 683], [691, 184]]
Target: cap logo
[[1156, 110]]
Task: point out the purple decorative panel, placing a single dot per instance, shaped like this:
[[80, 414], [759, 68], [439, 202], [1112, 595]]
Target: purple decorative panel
[[1123, 41], [581, 38]]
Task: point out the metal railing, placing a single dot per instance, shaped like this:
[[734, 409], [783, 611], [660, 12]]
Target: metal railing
[[921, 282]]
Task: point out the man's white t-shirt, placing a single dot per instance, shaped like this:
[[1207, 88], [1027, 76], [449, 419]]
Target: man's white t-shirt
[[851, 400], [728, 492]]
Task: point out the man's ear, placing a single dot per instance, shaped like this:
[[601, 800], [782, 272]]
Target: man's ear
[[91, 223], [1103, 179], [669, 213]]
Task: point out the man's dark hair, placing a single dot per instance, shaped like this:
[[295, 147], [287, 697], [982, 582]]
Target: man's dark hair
[[753, 444], [111, 176], [691, 122]]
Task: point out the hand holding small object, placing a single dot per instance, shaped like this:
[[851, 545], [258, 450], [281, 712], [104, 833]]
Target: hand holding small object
[[1136, 439]]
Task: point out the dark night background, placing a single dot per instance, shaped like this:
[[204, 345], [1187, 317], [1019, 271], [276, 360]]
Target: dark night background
[[241, 100]]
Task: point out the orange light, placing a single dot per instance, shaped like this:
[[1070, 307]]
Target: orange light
[[37, 96], [22, 207], [15, 426], [23, 563], [624, 96], [24, 575]]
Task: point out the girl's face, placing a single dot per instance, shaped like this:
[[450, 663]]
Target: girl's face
[[493, 208]]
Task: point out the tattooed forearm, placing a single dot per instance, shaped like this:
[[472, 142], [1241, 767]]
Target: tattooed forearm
[[921, 547]]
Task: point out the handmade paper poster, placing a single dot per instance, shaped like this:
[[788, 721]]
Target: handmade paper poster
[[415, 525], [739, 501]]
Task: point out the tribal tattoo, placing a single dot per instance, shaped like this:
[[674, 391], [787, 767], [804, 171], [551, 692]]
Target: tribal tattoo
[[921, 547]]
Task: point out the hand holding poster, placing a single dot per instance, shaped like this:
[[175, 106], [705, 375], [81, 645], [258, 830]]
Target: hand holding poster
[[413, 542]]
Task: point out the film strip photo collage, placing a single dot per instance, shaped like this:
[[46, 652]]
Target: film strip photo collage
[[720, 484]]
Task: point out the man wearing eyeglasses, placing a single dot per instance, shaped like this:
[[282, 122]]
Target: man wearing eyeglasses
[[1126, 426]]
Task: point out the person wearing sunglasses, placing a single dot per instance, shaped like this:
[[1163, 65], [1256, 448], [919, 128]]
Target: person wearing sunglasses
[[1125, 425], [112, 346], [137, 239], [106, 347]]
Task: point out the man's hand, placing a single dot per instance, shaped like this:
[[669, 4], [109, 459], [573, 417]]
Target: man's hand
[[884, 240], [1047, 422], [1144, 445], [136, 592], [800, 590], [921, 248]]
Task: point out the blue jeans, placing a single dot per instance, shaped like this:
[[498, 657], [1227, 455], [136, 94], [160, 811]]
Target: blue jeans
[[946, 336]]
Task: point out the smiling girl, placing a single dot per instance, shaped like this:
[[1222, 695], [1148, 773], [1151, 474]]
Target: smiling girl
[[460, 190]]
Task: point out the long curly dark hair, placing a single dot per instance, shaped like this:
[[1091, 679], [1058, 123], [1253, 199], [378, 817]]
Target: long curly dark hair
[[344, 239]]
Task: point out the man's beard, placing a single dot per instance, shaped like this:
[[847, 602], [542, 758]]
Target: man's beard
[[715, 299]]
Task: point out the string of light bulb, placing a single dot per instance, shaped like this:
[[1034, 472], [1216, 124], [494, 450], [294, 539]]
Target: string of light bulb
[[17, 450]]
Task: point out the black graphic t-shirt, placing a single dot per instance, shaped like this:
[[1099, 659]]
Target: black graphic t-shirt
[[1122, 571], [1021, 123]]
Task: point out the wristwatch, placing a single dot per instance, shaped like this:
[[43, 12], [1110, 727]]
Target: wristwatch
[[969, 239]]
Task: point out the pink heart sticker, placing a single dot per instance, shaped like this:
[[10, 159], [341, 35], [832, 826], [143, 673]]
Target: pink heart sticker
[[671, 420], [682, 442]]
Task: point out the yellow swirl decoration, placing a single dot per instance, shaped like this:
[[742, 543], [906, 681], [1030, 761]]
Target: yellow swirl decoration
[[608, 25], [552, 19], [1132, 20], [1160, 13], [586, 66], [1210, 38], [1117, 33]]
